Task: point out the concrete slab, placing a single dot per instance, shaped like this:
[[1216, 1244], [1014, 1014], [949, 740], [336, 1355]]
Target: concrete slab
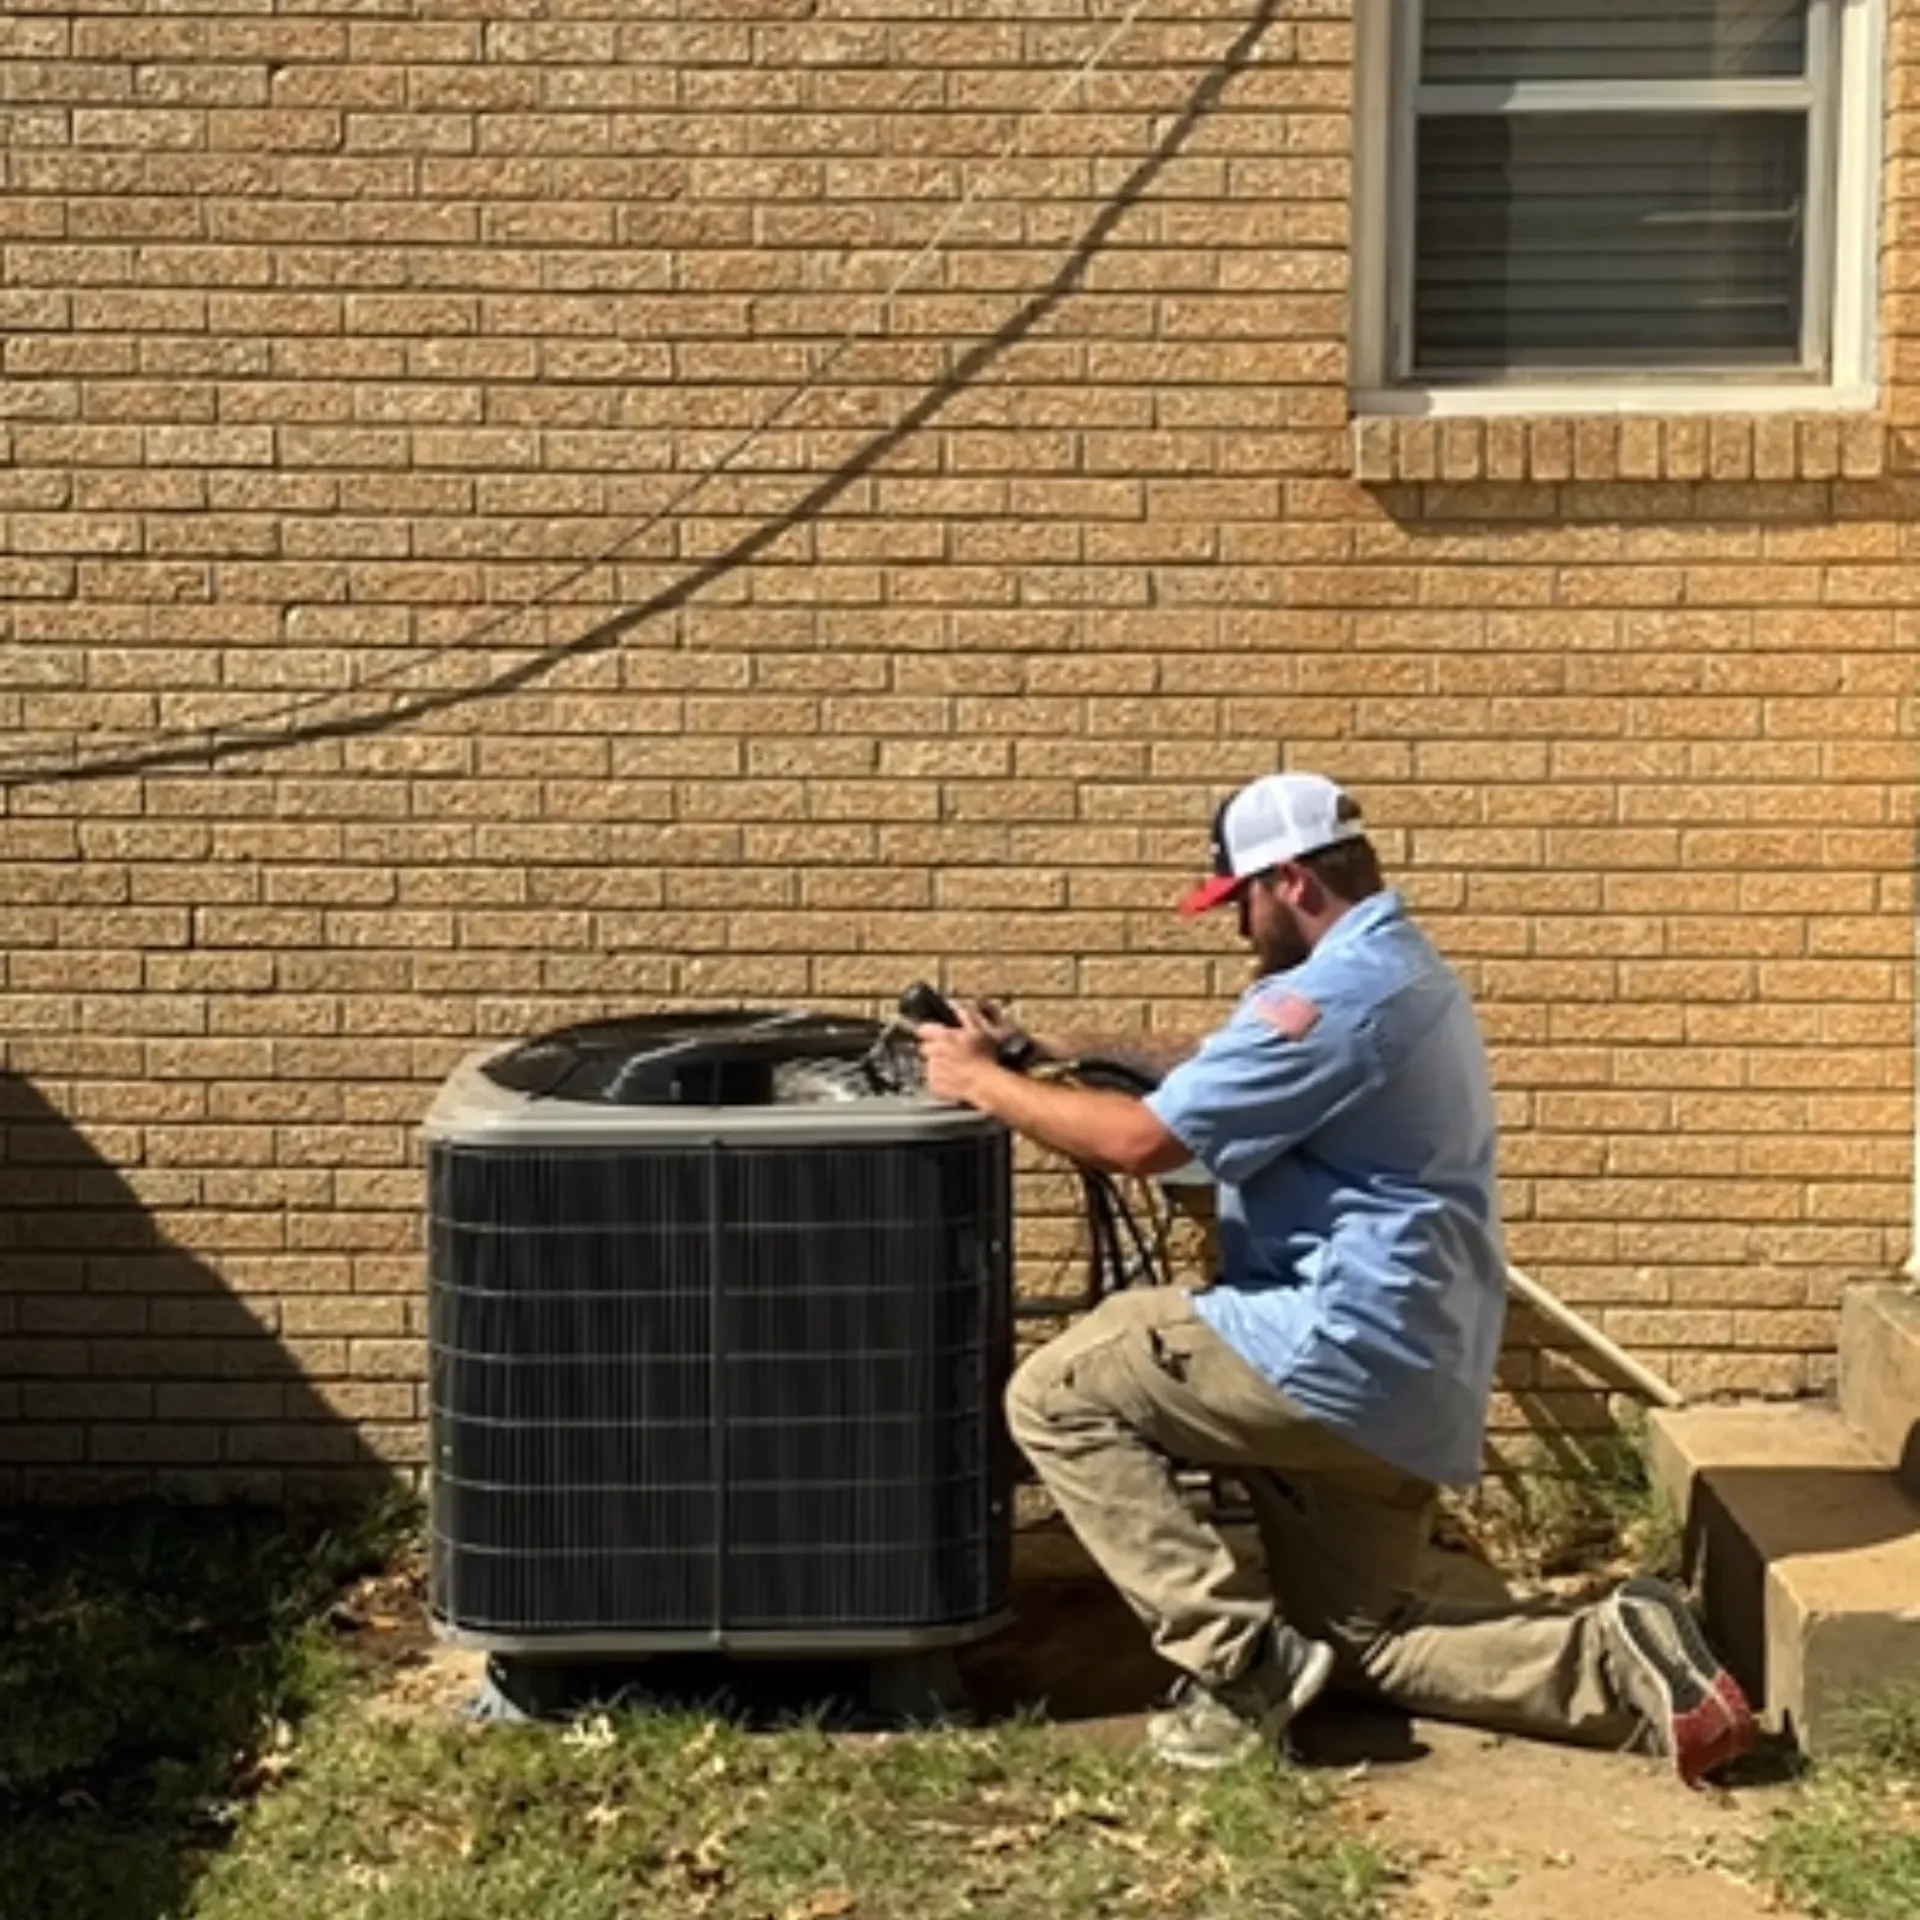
[[1880, 1374], [1807, 1551]]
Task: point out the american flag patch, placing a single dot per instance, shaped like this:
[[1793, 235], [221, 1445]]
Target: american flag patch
[[1288, 1014]]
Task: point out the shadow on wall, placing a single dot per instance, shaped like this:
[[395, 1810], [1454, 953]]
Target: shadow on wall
[[148, 1650], [127, 1367]]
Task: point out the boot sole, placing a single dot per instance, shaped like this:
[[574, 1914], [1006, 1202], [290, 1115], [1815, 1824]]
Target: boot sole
[[1709, 1723]]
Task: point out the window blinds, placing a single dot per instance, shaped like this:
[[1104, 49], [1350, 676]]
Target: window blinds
[[1468, 41], [1569, 215]]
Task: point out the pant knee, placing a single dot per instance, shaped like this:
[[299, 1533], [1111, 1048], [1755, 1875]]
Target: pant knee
[[1023, 1396], [1084, 1375]]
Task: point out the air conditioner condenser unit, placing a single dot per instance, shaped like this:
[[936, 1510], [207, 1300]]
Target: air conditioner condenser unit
[[717, 1339]]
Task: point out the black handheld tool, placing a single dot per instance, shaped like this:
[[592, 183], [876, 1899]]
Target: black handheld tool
[[925, 1006], [922, 1005]]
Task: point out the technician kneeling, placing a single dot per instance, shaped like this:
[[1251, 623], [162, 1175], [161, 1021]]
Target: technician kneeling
[[1342, 1365]]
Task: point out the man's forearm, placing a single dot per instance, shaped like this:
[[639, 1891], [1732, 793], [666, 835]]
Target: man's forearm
[[1153, 1054], [1113, 1131]]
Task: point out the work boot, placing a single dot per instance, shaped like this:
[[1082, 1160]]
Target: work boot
[[1668, 1675], [1207, 1727]]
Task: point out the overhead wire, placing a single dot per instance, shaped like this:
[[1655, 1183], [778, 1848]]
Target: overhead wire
[[34, 765]]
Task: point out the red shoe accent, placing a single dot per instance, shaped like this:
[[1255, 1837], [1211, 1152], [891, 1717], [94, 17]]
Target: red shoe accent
[[1715, 1734]]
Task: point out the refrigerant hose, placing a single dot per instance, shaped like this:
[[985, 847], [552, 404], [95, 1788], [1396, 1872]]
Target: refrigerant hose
[[1122, 1250]]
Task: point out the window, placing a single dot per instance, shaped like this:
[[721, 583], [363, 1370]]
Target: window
[[1599, 196]]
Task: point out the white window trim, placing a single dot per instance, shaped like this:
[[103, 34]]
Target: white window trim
[[1844, 225]]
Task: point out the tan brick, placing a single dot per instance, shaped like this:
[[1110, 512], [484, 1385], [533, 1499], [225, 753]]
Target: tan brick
[[1819, 448], [1418, 451], [1597, 452], [1863, 448], [1730, 449], [1685, 449], [1549, 450], [1373, 451], [1462, 450], [1638, 450], [1775, 448]]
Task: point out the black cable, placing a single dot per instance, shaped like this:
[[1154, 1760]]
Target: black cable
[[279, 726], [1146, 1258], [1109, 1269], [1128, 1254]]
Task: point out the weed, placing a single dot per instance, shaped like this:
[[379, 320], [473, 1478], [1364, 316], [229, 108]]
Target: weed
[[1589, 1515]]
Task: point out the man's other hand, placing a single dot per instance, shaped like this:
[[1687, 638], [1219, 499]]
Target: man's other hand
[[995, 1019], [957, 1057]]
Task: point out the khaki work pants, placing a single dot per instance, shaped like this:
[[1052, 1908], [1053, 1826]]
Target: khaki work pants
[[1108, 1410]]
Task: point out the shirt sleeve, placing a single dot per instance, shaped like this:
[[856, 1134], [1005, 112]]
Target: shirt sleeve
[[1254, 1090]]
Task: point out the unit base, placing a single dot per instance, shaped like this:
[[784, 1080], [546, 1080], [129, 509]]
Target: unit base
[[748, 1643]]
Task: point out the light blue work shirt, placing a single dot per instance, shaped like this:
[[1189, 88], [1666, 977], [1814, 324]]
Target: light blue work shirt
[[1346, 1113]]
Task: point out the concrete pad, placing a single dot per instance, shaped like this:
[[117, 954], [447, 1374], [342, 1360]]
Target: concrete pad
[[1807, 1549], [1880, 1374]]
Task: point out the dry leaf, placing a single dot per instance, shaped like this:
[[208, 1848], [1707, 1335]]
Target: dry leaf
[[830, 1905], [1072, 1805], [1007, 1839], [703, 1868]]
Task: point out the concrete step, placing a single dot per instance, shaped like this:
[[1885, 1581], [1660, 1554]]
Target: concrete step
[[1880, 1374], [1807, 1551]]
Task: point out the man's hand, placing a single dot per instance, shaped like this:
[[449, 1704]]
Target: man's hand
[[997, 1021], [958, 1058]]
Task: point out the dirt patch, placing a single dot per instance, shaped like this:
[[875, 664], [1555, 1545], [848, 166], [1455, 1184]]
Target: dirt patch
[[383, 1622], [1075, 1650], [1493, 1828], [1512, 1830]]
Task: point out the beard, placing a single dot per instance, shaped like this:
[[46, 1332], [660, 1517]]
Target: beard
[[1281, 943]]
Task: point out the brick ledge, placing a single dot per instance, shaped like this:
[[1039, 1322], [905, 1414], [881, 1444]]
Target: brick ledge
[[1389, 449]]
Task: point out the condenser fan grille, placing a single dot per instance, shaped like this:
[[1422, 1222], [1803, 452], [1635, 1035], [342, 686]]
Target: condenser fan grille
[[724, 1059], [709, 1391]]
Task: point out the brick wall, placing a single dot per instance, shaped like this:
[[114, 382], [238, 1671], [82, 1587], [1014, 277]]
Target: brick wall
[[331, 336]]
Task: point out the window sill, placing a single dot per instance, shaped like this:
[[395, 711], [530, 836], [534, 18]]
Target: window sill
[[1627, 398], [1812, 434]]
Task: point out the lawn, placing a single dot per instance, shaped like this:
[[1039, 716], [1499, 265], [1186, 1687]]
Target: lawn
[[1848, 1846], [194, 1726]]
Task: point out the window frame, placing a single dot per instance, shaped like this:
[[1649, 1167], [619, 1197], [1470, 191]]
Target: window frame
[[1843, 94]]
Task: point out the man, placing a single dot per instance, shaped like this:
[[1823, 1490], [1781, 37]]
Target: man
[[1341, 1366]]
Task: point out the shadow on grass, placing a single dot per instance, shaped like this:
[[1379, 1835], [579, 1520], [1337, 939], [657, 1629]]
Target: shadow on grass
[[149, 1657], [1074, 1657]]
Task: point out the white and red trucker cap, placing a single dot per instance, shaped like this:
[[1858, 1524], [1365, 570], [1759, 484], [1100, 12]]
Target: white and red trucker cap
[[1278, 817]]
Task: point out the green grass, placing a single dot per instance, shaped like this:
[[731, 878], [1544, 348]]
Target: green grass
[[183, 1736], [1848, 1848], [641, 1814]]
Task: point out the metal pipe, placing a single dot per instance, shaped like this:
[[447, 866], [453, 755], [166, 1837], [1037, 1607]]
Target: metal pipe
[[1663, 1392], [1912, 1267]]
